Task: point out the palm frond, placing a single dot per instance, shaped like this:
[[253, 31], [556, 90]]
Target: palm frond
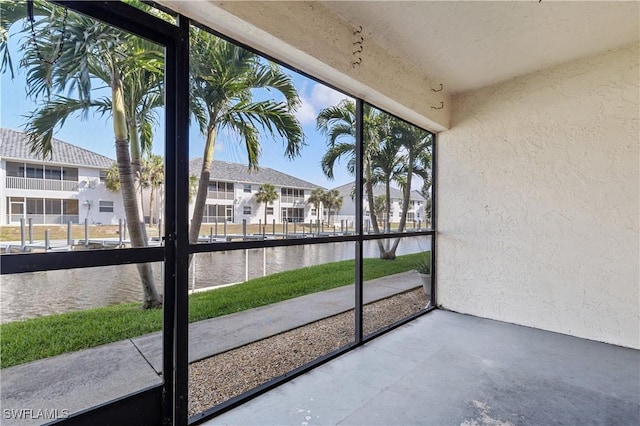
[[272, 77], [42, 123], [275, 119], [334, 154], [249, 134]]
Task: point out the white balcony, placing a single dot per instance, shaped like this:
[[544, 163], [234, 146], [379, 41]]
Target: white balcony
[[44, 219], [41, 184], [291, 200], [219, 195]]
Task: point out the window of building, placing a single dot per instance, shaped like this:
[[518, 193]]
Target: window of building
[[52, 207], [216, 213], [106, 207], [292, 214], [53, 173], [70, 207], [33, 171], [220, 190], [103, 176], [270, 210], [15, 169], [247, 187], [35, 206], [246, 210]]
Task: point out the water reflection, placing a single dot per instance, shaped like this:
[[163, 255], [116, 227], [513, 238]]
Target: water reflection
[[43, 293]]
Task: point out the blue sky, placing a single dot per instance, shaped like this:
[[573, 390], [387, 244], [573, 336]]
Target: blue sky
[[96, 133]]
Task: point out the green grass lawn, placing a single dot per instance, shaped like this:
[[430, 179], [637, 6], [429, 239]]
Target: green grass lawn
[[33, 339]]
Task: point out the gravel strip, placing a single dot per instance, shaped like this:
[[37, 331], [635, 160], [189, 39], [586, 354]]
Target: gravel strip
[[223, 376]]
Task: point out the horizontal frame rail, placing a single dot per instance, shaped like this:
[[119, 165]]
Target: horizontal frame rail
[[243, 245], [127, 18], [36, 262]]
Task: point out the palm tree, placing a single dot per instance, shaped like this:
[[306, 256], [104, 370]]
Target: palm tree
[[316, 197], [337, 203], [266, 194], [223, 80], [380, 205], [423, 170], [417, 144], [387, 166], [92, 51], [153, 167], [112, 178], [338, 123], [332, 199], [392, 150]]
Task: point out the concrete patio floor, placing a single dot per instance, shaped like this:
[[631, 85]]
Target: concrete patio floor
[[451, 369]]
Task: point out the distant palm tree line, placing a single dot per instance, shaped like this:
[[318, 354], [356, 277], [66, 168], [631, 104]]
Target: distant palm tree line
[[330, 199], [151, 177]]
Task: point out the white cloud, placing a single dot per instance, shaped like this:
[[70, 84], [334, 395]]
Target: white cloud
[[306, 112], [320, 97], [323, 96]]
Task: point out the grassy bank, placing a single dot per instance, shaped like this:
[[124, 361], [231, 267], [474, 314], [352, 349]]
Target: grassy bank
[[33, 339]]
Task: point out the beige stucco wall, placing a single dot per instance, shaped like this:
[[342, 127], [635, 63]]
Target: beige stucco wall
[[538, 210]]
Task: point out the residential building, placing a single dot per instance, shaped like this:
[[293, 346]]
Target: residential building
[[69, 187], [66, 187], [232, 190], [415, 212]]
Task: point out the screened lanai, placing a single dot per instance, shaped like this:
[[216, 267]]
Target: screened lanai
[[517, 123]]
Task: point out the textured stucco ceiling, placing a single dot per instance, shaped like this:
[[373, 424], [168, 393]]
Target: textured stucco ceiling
[[466, 45]]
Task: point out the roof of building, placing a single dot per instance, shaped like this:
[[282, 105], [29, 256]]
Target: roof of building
[[236, 172], [417, 195], [14, 144], [378, 190]]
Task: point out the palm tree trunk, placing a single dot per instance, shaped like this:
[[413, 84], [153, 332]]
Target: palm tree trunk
[[151, 206], [372, 213], [203, 186], [129, 196], [265, 214], [387, 224], [405, 203], [136, 163]]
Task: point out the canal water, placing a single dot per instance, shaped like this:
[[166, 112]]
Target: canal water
[[35, 294]]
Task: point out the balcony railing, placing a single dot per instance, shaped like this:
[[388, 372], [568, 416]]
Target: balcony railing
[[219, 195], [291, 199], [216, 219], [44, 219], [41, 184]]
